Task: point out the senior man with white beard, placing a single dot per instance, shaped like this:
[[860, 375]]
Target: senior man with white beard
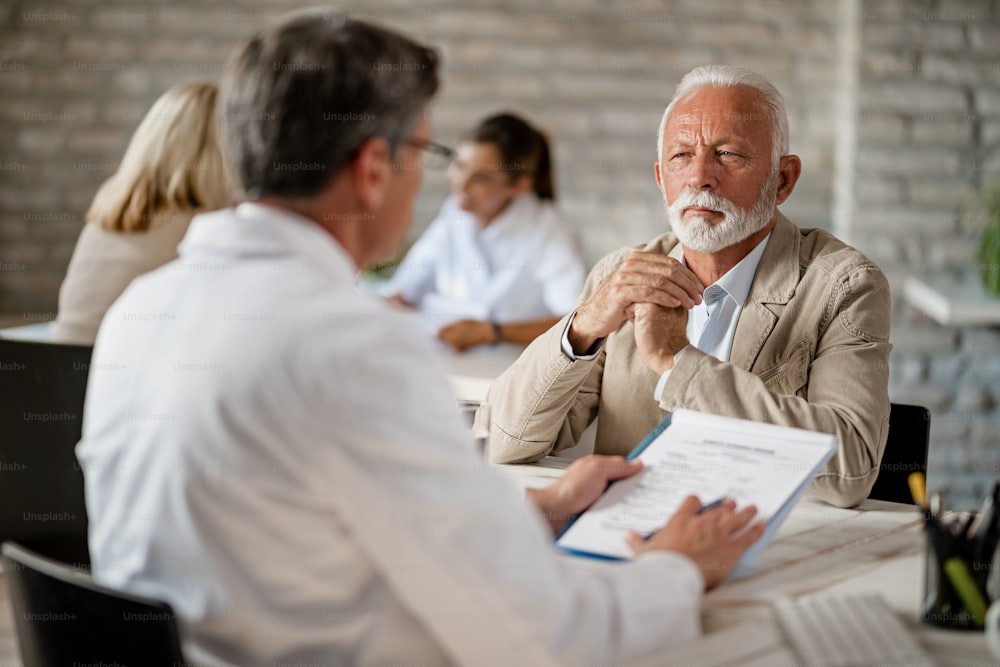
[[738, 312]]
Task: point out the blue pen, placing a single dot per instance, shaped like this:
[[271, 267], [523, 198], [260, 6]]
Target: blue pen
[[704, 508], [711, 505]]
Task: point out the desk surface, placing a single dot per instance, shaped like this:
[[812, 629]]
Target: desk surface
[[472, 371], [876, 547]]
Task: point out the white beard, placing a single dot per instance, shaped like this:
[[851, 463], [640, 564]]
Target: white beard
[[736, 224]]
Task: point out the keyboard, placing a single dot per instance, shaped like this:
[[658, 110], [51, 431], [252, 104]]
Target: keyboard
[[851, 631]]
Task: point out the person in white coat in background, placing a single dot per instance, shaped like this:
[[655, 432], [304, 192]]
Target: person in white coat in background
[[498, 263], [279, 456]]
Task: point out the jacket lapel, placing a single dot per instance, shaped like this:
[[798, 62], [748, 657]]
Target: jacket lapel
[[772, 288]]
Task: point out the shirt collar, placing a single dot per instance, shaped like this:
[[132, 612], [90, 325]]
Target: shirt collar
[[253, 229], [738, 279]]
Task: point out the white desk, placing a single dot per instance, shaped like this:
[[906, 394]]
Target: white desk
[[40, 332], [471, 372], [877, 547]]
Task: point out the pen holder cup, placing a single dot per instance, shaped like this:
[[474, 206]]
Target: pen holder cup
[[959, 582]]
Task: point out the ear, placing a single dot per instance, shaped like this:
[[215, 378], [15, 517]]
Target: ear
[[659, 176], [370, 172], [788, 176]]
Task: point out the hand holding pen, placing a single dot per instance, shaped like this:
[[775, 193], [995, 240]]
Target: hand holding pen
[[701, 510], [713, 536]]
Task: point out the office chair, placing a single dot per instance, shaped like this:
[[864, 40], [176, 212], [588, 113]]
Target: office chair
[[905, 452], [63, 617], [41, 491]]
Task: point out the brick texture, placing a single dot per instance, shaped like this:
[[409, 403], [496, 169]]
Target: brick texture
[[77, 76], [929, 94]]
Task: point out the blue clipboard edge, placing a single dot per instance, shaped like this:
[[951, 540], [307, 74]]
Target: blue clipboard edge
[[745, 564], [636, 451], [589, 554]]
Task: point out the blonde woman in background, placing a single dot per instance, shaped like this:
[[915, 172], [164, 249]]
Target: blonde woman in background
[[172, 170]]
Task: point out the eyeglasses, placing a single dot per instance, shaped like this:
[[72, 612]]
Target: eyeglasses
[[435, 155]]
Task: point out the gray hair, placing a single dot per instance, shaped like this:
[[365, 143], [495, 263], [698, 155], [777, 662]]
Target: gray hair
[[729, 76], [299, 98]]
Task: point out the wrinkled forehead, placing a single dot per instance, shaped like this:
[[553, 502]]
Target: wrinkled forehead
[[715, 112]]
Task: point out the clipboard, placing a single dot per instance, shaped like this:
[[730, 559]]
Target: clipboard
[[739, 446]]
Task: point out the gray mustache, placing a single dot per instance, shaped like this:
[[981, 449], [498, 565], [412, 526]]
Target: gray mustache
[[704, 199]]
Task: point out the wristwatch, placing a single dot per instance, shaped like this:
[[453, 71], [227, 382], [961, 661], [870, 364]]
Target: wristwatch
[[497, 335]]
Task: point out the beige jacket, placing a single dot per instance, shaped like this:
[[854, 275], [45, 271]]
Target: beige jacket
[[103, 264], [811, 350]]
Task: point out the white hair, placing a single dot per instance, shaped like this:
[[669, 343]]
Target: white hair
[[729, 76]]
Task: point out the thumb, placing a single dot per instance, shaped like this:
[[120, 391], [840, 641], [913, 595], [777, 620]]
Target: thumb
[[634, 541]]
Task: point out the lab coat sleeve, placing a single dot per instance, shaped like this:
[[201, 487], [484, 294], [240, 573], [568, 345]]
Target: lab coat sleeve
[[453, 538]]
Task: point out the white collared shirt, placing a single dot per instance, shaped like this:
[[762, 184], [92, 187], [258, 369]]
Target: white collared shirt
[[280, 458], [525, 265], [736, 283]]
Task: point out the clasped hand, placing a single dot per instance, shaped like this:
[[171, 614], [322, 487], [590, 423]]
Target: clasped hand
[[652, 291]]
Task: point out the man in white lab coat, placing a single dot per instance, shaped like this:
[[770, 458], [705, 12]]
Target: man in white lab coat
[[279, 457]]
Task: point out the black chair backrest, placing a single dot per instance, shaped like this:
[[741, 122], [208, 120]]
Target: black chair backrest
[[42, 386], [905, 452], [63, 617]]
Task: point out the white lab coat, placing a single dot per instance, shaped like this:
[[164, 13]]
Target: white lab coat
[[279, 457], [525, 265]]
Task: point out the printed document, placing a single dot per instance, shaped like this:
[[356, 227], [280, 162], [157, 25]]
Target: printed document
[[711, 457]]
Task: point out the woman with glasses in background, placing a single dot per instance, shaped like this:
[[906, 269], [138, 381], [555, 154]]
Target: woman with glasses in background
[[498, 264]]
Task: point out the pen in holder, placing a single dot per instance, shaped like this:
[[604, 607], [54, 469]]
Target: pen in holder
[[959, 577]]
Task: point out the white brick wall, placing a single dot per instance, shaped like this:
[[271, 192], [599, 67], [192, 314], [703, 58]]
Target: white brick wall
[[928, 109], [76, 77]]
